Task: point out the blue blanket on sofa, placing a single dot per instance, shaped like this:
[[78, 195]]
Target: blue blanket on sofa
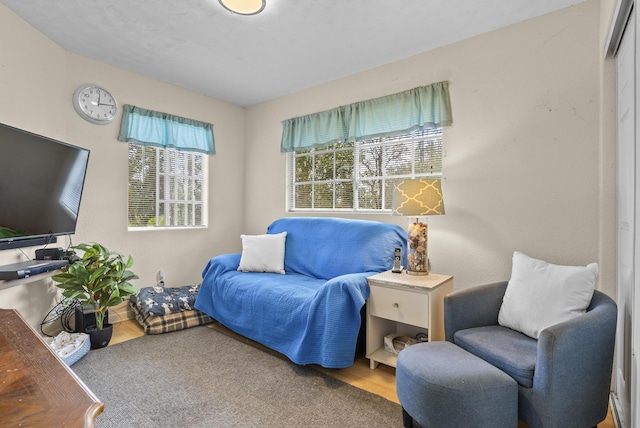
[[311, 314]]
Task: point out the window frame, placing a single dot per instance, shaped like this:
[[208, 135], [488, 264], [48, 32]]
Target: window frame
[[171, 159], [426, 134]]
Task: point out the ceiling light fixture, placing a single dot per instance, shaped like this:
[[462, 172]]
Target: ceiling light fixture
[[244, 7]]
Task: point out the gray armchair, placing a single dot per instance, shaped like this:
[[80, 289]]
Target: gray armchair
[[563, 377]]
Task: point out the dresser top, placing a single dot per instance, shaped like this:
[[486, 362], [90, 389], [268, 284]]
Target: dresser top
[[388, 278]]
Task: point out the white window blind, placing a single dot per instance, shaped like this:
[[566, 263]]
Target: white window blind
[[166, 187]]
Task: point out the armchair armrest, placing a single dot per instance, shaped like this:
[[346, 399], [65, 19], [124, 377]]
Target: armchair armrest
[[472, 307], [577, 355]]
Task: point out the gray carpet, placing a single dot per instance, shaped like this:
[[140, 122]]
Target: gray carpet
[[203, 378]]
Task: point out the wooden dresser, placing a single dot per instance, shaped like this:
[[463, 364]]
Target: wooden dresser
[[36, 387]]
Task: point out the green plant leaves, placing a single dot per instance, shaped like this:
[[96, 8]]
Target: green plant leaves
[[100, 278]]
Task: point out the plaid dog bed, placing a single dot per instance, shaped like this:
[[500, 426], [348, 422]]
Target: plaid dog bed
[[154, 323], [157, 324]]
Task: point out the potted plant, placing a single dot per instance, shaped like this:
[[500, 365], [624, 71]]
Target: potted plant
[[100, 279]]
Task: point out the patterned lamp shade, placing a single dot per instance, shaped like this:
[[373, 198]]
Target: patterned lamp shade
[[418, 198]]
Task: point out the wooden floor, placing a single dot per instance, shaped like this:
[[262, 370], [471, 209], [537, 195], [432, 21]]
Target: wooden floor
[[381, 381]]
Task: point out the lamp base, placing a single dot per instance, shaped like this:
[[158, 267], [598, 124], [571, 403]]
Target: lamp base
[[417, 259], [417, 273]]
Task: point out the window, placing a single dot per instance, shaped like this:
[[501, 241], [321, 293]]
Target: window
[[361, 176], [166, 187], [351, 157], [167, 168]]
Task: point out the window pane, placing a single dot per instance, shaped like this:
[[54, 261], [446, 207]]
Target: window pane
[[142, 188], [172, 188], [197, 190], [398, 159], [170, 214], [181, 190], [344, 172], [371, 161], [161, 189], [323, 196], [198, 214], [344, 195], [370, 195], [323, 167], [303, 196], [181, 215], [428, 155], [172, 161], [304, 168], [161, 215]]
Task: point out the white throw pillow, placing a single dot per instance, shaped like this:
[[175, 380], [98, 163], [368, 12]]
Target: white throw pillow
[[263, 253], [541, 294]]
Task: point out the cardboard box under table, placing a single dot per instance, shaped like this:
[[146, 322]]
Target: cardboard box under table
[[164, 309]]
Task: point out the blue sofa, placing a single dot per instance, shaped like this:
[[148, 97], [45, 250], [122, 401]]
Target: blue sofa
[[311, 314]]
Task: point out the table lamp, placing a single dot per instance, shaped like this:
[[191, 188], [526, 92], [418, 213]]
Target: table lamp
[[418, 198]]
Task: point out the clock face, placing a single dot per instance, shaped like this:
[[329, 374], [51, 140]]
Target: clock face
[[95, 104]]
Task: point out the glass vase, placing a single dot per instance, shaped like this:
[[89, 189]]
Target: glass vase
[[417, 258]]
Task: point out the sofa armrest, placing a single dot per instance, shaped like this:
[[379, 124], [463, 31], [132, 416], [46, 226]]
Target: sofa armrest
[[472, 307], [220, 264]]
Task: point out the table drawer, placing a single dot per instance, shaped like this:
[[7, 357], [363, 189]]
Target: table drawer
[[398, 305]]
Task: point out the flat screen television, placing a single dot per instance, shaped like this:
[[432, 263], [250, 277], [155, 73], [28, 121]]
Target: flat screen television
[[41, 182]]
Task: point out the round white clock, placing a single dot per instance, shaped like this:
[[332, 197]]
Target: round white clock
[[95, 104]]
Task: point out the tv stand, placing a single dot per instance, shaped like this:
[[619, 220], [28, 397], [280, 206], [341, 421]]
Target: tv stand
[[15, 282], [30, 268]]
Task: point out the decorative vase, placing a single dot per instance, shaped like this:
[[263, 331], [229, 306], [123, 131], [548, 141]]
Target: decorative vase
[[100, 338], [417, 259]]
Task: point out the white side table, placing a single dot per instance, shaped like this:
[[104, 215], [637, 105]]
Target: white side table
[[406, 305]]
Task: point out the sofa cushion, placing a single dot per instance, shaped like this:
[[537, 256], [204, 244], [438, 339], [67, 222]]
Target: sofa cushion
[[541, 294], [263, 253], [329, 247], [512, 352]]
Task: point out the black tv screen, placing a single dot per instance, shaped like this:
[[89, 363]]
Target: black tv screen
[[41, 182]]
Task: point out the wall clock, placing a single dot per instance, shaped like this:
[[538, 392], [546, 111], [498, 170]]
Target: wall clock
[[95, 104]]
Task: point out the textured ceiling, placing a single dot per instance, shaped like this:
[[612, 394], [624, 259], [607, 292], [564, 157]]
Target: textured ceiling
[[292, 45]]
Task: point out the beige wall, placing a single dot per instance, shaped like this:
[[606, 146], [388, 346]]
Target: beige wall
[[528, 162], [37, 79]]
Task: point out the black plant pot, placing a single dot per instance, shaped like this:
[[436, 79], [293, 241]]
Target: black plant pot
[[100, 338]]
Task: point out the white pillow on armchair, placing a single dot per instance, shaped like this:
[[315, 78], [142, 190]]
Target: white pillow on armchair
[[541, 294]]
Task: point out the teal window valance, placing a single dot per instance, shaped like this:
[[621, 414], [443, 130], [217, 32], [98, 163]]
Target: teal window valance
[[153, 128], [401, 113]]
